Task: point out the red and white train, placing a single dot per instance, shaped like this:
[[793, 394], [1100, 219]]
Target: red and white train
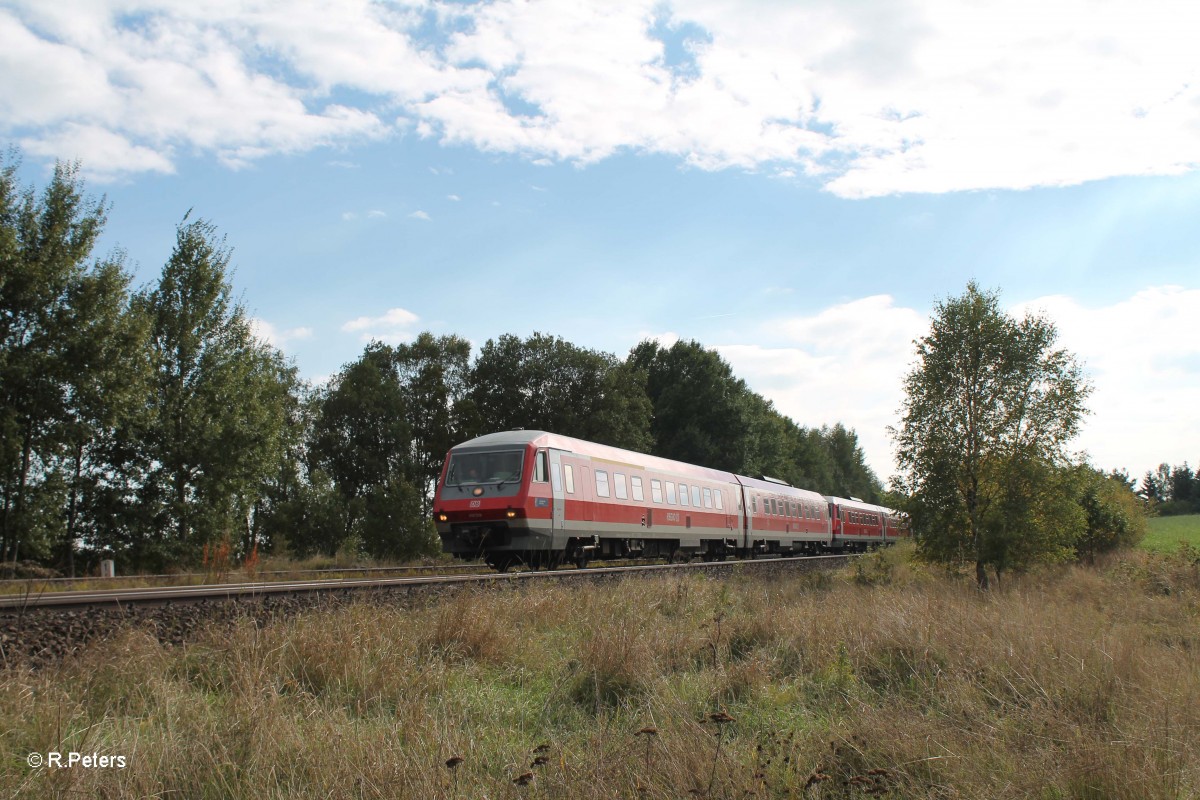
[[536, 498]]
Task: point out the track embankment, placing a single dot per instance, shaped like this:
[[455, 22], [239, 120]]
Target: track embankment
[[41, 630]]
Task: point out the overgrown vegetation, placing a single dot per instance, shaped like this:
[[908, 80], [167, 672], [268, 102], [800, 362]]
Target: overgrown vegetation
[[890, 680]]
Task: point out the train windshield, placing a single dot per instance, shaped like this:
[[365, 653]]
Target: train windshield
[[500, 467]]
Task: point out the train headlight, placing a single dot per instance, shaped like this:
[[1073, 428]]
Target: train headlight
[[510, 513], [443, 517]]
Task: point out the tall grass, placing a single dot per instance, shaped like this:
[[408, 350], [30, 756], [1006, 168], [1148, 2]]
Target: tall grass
[[889, 680]]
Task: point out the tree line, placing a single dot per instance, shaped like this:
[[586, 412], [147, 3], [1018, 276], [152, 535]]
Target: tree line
[[150, 424], [1172, 490]]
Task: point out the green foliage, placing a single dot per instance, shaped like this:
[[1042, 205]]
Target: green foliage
[[433, 374], [701, 411], [69, 362], [1172, 490], [546, 383], [216, 422], [363, 441], [988, 411], [704, 415], [1115, 517]]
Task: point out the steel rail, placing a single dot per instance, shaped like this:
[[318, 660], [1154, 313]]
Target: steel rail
[[232, 591], [11, 582]]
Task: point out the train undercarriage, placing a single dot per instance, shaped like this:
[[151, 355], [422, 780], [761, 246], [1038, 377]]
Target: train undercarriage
[[502, 547]]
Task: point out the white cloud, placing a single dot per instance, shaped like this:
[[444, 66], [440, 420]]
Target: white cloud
[[374, 213], [665, 339], [843, 364], [868, 98], [453, 197], [846, 364], [420, 215], [265, 331], [394, 326], [1144, 360]]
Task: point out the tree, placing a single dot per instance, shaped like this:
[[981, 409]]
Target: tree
[[433, 374], [217, 415], [68, 359], [989, 408], [363, 441], [546, 383], [701, 411], [1114, 514]]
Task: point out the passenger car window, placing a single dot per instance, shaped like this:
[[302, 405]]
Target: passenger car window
[[569, 478], [619, 486], [601, 483], [638, 495]]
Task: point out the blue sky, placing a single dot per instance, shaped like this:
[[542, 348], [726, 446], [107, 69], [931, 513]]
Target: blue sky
[[792, 184]]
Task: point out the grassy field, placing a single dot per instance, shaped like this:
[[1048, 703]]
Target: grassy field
[[1167, 532], [888, 680]]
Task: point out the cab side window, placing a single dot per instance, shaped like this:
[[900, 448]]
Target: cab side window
[[540, 473]]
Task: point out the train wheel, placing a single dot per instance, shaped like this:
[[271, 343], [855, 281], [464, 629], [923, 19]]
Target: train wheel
[[581, 560], [499, 563]]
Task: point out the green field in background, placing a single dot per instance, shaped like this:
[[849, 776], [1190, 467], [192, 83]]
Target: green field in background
[[1167, 532]]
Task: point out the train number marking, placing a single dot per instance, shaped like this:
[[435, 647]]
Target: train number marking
[[475, 503]]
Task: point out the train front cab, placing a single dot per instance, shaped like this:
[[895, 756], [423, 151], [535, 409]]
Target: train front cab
[[494, 502]]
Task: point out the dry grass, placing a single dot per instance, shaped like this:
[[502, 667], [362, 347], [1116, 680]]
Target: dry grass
[[887, 681]]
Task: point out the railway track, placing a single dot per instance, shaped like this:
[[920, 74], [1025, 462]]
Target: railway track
[[10, 586], [42, 630], [163, 595]]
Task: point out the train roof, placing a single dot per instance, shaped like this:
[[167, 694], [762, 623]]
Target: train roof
[[841, 501], [778, 487], [603, 452], [522, 438]]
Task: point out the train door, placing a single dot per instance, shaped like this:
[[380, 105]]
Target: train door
[[744, 516], [587, 493], [556, 490]]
